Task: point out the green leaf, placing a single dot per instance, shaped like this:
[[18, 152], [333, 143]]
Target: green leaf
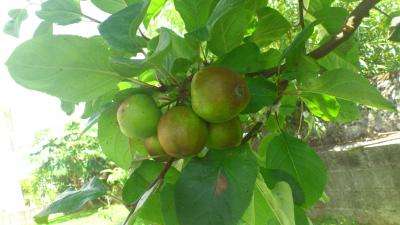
[[247, 58], [324, 106], [170, 48], [272, 177], [120, 29], [114, 144], [347, 85], [70, 200], [301, 217], [71, 77], [128, 67], [153, 10], [348, 112], [44, 28], [271, 26], [332, 18], [280, 202], [110, 6], [228, 32], [62, 12], [194, 13], [68, 107], [13, 26], [262, 92], [315, 5], [296, 158], [346, 56], [168, 204], [216, 189]]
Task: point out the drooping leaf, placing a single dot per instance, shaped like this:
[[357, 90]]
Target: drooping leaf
[[262, 93], [72, 200], [395, 29], [280, 202], [62, 12], [194, 13], [348, 112], [216, 189], [300, 216], [72, 77], [324, 106], [168, 204], [110, 6], [13, 26], [120, 29], [296, 158], [44, 28], [347, 85], [68, 107], [114, 144], [228, 32], [271, 26]]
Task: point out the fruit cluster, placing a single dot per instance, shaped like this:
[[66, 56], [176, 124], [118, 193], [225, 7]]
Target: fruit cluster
[[218, 95]]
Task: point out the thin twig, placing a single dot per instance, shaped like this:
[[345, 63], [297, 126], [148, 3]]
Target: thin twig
[[143, 35], [159, 178], [91, 18], [383, 12], [301, 118], [118, 199], [301, 13], [146, 85], [351, 24]]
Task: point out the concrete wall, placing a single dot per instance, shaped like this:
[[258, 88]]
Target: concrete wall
[[364, 184]]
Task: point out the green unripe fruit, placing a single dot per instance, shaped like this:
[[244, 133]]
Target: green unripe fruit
[[181, 132], [138, 116], [218, 94], [155, 149], [225, 135]]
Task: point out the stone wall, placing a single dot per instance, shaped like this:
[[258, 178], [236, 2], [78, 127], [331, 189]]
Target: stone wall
[[364, 183]]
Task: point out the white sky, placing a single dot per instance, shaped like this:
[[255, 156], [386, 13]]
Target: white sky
[[33, 111]]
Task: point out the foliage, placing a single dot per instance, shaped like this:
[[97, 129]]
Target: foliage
[[293, 61], [68, 162]]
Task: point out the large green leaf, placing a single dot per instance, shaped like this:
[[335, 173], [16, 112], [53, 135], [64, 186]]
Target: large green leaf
[[346, 56], [13, 26], [324, 106], [75, 69], [296, 158], [262, 93], [114, 144], [332, 18], [271, 26], [72, 200], [247, 58], [279, 201], [216, 189], [348, 112], [153, 10], [120, 29], [168, 204], [62, 12], [315, 5], [228, 32], [110, 6], [346, 85], [138, 183], [194, 13]]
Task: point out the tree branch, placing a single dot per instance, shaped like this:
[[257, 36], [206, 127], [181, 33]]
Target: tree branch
[[159, 178], [351, 24], [383, 12], [90, 18], [143, 35], [301, 13]]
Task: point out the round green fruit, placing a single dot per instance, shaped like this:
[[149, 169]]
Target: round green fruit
[[181, 132], [138, 116], [155, 149], [218, 94], [225, 135]]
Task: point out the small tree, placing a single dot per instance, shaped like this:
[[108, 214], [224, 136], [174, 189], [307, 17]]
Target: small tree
[[231, 77]]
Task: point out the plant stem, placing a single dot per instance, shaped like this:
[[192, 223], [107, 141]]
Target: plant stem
[[383, 12], [301, 13], [91, 18], [159, 178]]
